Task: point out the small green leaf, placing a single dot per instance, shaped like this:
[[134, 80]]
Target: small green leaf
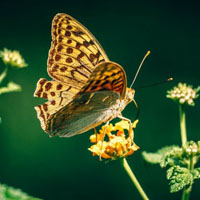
[[10, 193], [153, 158], [162, 156], [11, 87], [179, 177]]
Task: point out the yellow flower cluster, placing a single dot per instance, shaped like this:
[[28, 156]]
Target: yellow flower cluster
[[183, 94], [117, 145], [12, 58]]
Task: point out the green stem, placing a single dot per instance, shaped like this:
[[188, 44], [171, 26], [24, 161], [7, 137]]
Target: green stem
[[182, 125], [133, 178], [186, 193], [191, 165], [187, 189]]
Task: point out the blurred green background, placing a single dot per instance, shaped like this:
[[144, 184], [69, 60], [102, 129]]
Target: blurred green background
[[57, 168]]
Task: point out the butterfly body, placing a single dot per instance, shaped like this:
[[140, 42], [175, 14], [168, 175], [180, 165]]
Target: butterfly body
[[87, 88]]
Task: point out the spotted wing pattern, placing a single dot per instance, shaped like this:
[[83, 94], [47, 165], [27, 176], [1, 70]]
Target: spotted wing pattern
[[56, 93], [74, 51], [73, 55]]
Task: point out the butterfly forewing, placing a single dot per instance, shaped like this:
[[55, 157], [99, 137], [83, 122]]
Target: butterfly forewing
[[74, 51], [107, 76]]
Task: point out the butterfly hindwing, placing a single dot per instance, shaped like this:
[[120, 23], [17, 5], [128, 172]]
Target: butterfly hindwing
[[57, 94], [85, 112]]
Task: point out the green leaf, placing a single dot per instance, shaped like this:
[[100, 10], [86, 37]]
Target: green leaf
[[10, 193], [11, 87], [179, 177], [162, 156], [153, 158]]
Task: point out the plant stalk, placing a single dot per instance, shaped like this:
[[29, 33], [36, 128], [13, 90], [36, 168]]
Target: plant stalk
[[133, 178], [187, 189], [186, 193], [182, 124]]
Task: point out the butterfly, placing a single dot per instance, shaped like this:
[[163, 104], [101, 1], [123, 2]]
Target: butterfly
[[87, 88]]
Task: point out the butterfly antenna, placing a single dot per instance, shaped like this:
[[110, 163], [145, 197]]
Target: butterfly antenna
[[158, 83], [148, 52]]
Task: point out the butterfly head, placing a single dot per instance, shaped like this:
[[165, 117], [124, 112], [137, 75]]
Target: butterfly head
[[129, 95]]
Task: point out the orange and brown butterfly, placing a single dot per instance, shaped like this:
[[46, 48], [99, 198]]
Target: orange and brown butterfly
[[87, 88]]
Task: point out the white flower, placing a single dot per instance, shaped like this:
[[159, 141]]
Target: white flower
[[183, 94], [12, 58]]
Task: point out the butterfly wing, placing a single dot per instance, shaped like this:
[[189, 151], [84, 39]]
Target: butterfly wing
[[74, 51], [57, 95], [93, 105], [82, 114], [107, 76], [73, 55]]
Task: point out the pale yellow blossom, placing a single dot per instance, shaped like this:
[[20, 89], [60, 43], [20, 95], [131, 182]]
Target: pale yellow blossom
[[12, 58], [183, 94]]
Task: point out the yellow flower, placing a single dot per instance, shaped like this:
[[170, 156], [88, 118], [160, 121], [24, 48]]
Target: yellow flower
[[116, 145], [12, 58]]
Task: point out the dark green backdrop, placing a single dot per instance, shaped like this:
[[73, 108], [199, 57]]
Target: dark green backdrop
[[63, 168]]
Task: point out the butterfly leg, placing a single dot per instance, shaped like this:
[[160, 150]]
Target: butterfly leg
[[130, 131]]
